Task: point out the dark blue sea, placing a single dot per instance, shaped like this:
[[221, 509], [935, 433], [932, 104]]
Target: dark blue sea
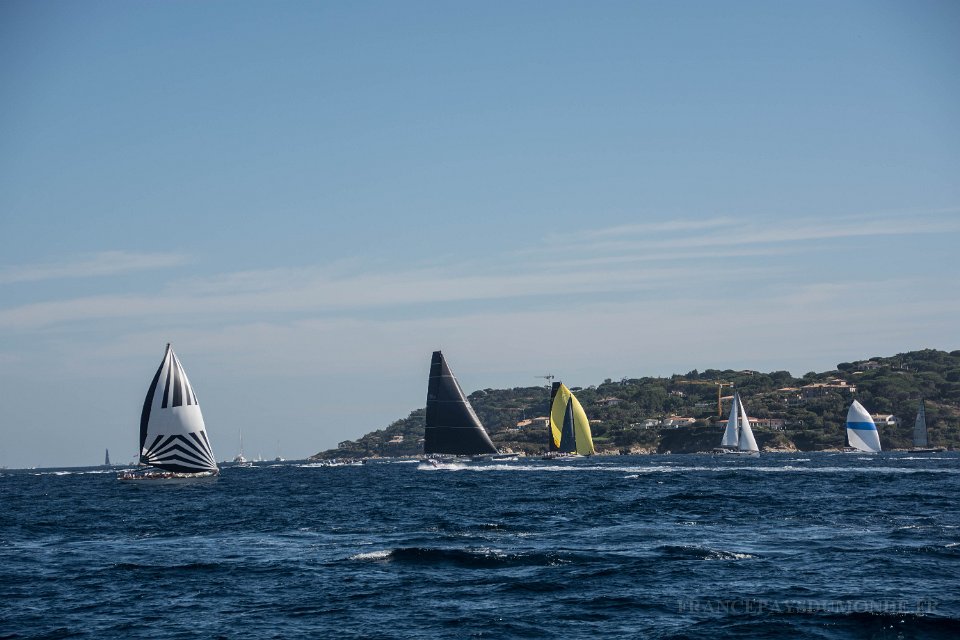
[[789, 545]]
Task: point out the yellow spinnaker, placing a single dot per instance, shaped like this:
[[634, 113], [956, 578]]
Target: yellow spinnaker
[[557, 412], [581, 426]]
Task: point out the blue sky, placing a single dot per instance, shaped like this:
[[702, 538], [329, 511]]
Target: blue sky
[[307, 199]]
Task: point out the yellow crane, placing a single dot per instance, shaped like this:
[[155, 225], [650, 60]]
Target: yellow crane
[[720, 386]]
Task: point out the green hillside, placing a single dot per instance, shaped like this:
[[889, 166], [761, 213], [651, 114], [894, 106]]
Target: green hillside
[[634, 414]]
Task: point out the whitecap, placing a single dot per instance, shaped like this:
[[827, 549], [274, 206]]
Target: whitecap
[[382, 554]]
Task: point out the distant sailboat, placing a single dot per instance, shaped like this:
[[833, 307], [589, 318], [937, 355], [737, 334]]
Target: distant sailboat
[[920, 443], [569, 427], [738, 436], [106, 458], [239, 459], [173, 438], [862, 434], [452, 426]]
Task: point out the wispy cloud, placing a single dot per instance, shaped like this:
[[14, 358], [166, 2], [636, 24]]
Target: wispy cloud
[[309, 290], [665, 226], [608, 338], [106, 263], [689, 256], [731, 233], [708, 259]]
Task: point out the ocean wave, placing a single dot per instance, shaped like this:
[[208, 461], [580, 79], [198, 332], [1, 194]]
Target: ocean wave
[[693, 552], [476, 558], [653, 469], [79, 472], [190, 566], [879, 619], [381, 554], [441, 466]]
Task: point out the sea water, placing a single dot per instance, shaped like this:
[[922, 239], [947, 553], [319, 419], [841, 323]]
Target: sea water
[[786, 545]]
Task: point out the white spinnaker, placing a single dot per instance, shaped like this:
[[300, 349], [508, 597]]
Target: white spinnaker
[[730, 435], [174, 437], [861, 430], [747, 441]]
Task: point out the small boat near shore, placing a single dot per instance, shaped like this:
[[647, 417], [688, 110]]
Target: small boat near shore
[[240, 460], [569, 433], [738, 437], [920, 442], [174, 447]]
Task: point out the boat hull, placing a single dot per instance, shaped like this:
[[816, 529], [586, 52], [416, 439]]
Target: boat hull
[[560, 455], [736, 452], [927, 450], [163, 477]]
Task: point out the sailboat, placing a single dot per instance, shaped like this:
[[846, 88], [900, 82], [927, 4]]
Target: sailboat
[[239, 459], [738, 436], [569, 427], [106, 458], [920, 444], [862, 434], [452, 426], [173, 439]]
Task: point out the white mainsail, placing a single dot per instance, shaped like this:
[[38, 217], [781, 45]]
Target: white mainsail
[[861, 430], [738, 436], [172, 433], [747, 441], [239, 458], [730, 435]]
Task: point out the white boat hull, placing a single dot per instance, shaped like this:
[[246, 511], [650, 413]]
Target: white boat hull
[[164, 477], [736, 452]]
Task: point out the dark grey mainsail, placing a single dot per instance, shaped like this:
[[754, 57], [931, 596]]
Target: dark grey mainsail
[[920, 428], [452, 425], [921, 443], [568, 441]]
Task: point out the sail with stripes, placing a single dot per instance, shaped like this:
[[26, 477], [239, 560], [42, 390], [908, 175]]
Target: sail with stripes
[[452, 426], [569, 426], [172, 434], [861, 429]]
